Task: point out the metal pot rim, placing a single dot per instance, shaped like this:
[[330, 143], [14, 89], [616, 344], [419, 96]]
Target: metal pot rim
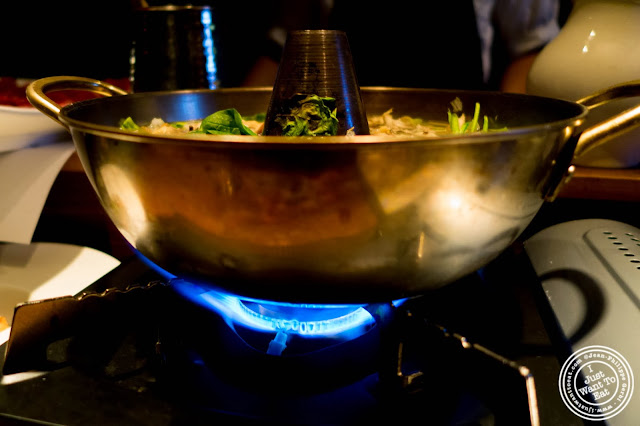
[[315, 142]]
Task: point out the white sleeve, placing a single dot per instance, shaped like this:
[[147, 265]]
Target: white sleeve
[[484, 12], [526, 25]]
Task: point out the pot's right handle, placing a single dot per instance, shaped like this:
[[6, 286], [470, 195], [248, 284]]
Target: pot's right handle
[[37, 90], [603, 132]]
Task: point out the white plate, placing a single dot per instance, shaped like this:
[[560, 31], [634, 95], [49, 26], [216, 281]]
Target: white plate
[[21, 127], [44, 270]]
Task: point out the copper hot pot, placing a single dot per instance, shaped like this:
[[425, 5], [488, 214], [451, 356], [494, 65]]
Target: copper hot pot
[[326, 219]]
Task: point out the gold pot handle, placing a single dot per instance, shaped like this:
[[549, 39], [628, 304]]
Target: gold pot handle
[[614, 126], [36, 92]]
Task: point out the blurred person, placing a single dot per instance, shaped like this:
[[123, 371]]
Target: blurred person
[[462, 44]]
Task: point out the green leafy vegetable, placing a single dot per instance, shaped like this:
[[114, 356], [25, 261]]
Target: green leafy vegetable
[[129, 124], [259, 117], [224, 122], [313, 116]]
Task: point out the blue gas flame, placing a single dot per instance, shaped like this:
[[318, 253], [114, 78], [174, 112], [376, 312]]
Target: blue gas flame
[[345, 321], [307, 320]]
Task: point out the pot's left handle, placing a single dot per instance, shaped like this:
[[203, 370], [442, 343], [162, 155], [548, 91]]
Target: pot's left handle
[[37, 90]]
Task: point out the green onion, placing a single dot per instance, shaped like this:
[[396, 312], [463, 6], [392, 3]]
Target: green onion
[[469, 126], [453, 122], [474, 121]]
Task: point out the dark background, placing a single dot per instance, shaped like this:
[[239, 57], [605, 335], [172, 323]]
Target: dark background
[[91, 38]]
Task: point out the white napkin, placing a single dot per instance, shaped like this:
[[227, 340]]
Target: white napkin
[[26, 177]]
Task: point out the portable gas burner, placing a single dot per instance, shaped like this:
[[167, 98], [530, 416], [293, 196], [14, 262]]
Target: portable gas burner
[[474, 352]]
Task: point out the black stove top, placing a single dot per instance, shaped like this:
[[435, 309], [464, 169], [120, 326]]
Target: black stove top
[[468, 353]]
